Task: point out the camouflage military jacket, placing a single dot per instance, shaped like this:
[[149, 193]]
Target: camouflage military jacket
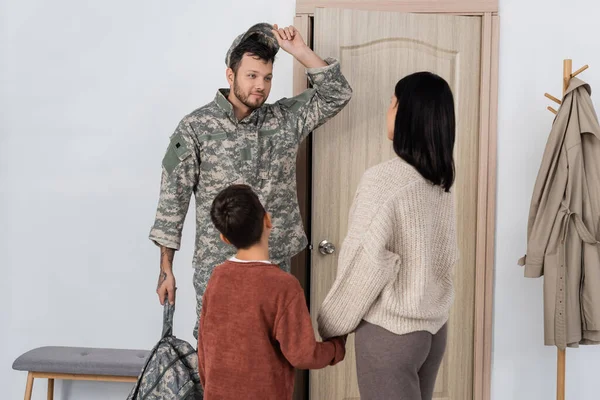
[[211, 149]]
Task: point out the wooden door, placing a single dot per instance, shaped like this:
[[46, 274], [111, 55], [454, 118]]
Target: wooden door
[[376, 49]]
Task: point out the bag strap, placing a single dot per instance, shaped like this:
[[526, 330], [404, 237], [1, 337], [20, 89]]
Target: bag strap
[[168, 312]]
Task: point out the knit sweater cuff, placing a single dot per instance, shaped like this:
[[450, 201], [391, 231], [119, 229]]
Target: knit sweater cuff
[[359, 283]]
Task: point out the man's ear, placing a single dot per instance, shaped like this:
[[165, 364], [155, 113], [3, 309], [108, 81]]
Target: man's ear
[[230, 75], [224, 239]]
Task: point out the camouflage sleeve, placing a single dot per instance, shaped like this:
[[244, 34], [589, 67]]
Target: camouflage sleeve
[[201, 356], [180, 169], [329, 94]]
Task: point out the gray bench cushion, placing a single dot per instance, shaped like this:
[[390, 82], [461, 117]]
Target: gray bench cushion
[[82, 361]]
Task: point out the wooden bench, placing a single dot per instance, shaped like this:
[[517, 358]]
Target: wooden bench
[[79, 363]]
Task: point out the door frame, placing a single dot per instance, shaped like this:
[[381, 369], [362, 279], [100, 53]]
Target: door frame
[[486, 198]]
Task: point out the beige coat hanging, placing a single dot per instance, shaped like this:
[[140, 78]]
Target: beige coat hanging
[[563, 226]]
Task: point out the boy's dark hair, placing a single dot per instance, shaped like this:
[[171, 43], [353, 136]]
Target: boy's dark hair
[[238, 214], [254, 47], [424, 130]]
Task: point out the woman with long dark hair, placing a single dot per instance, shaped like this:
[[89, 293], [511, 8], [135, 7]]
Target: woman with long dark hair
[[394, 284]]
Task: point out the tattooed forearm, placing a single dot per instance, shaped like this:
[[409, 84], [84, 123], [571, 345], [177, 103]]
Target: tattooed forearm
[[166, 264], [166, 257], [161, 278]]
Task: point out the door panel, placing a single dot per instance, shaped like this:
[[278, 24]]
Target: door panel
[[376, 49]]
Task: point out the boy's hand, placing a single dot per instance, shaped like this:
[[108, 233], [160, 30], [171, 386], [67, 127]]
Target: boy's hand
[[340, 351], [343, 338]]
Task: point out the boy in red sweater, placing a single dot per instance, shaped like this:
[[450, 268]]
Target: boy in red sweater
[[254, 325]]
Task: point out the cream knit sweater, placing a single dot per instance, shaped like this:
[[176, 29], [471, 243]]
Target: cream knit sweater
[[395, 266]]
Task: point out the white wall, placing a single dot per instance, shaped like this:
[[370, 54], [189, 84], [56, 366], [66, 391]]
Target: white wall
[[531, 64], [89, 96], [91, 92]]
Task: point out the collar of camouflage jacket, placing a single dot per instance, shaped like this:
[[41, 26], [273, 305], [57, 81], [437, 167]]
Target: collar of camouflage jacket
[[224, 104]]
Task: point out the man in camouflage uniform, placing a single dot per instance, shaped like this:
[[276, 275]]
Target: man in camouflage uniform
[[237, 138]]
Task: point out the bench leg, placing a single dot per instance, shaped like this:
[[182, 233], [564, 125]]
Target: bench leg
[[50, 389], [29, 387]]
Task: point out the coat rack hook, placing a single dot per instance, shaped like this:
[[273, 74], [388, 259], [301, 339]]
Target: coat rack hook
[[552, 110], [554, 99], [580, 70]]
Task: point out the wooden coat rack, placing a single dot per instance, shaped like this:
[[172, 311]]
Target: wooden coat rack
[[561, 356]]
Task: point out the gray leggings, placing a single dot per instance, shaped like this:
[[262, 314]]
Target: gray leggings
[[397, 367]]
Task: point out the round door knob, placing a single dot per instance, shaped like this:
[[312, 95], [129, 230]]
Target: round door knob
[[326, 248]]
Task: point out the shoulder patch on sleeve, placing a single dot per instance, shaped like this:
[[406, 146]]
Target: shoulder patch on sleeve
[[177, 151], [293, 104]]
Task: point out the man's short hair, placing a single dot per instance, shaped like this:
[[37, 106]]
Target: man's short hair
[[239, 215], [254, 47]]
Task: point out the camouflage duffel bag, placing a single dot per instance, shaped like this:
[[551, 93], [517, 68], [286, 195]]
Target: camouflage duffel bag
[[171, 369]]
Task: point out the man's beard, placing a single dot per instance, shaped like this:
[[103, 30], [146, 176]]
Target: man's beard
[[244, 98]]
